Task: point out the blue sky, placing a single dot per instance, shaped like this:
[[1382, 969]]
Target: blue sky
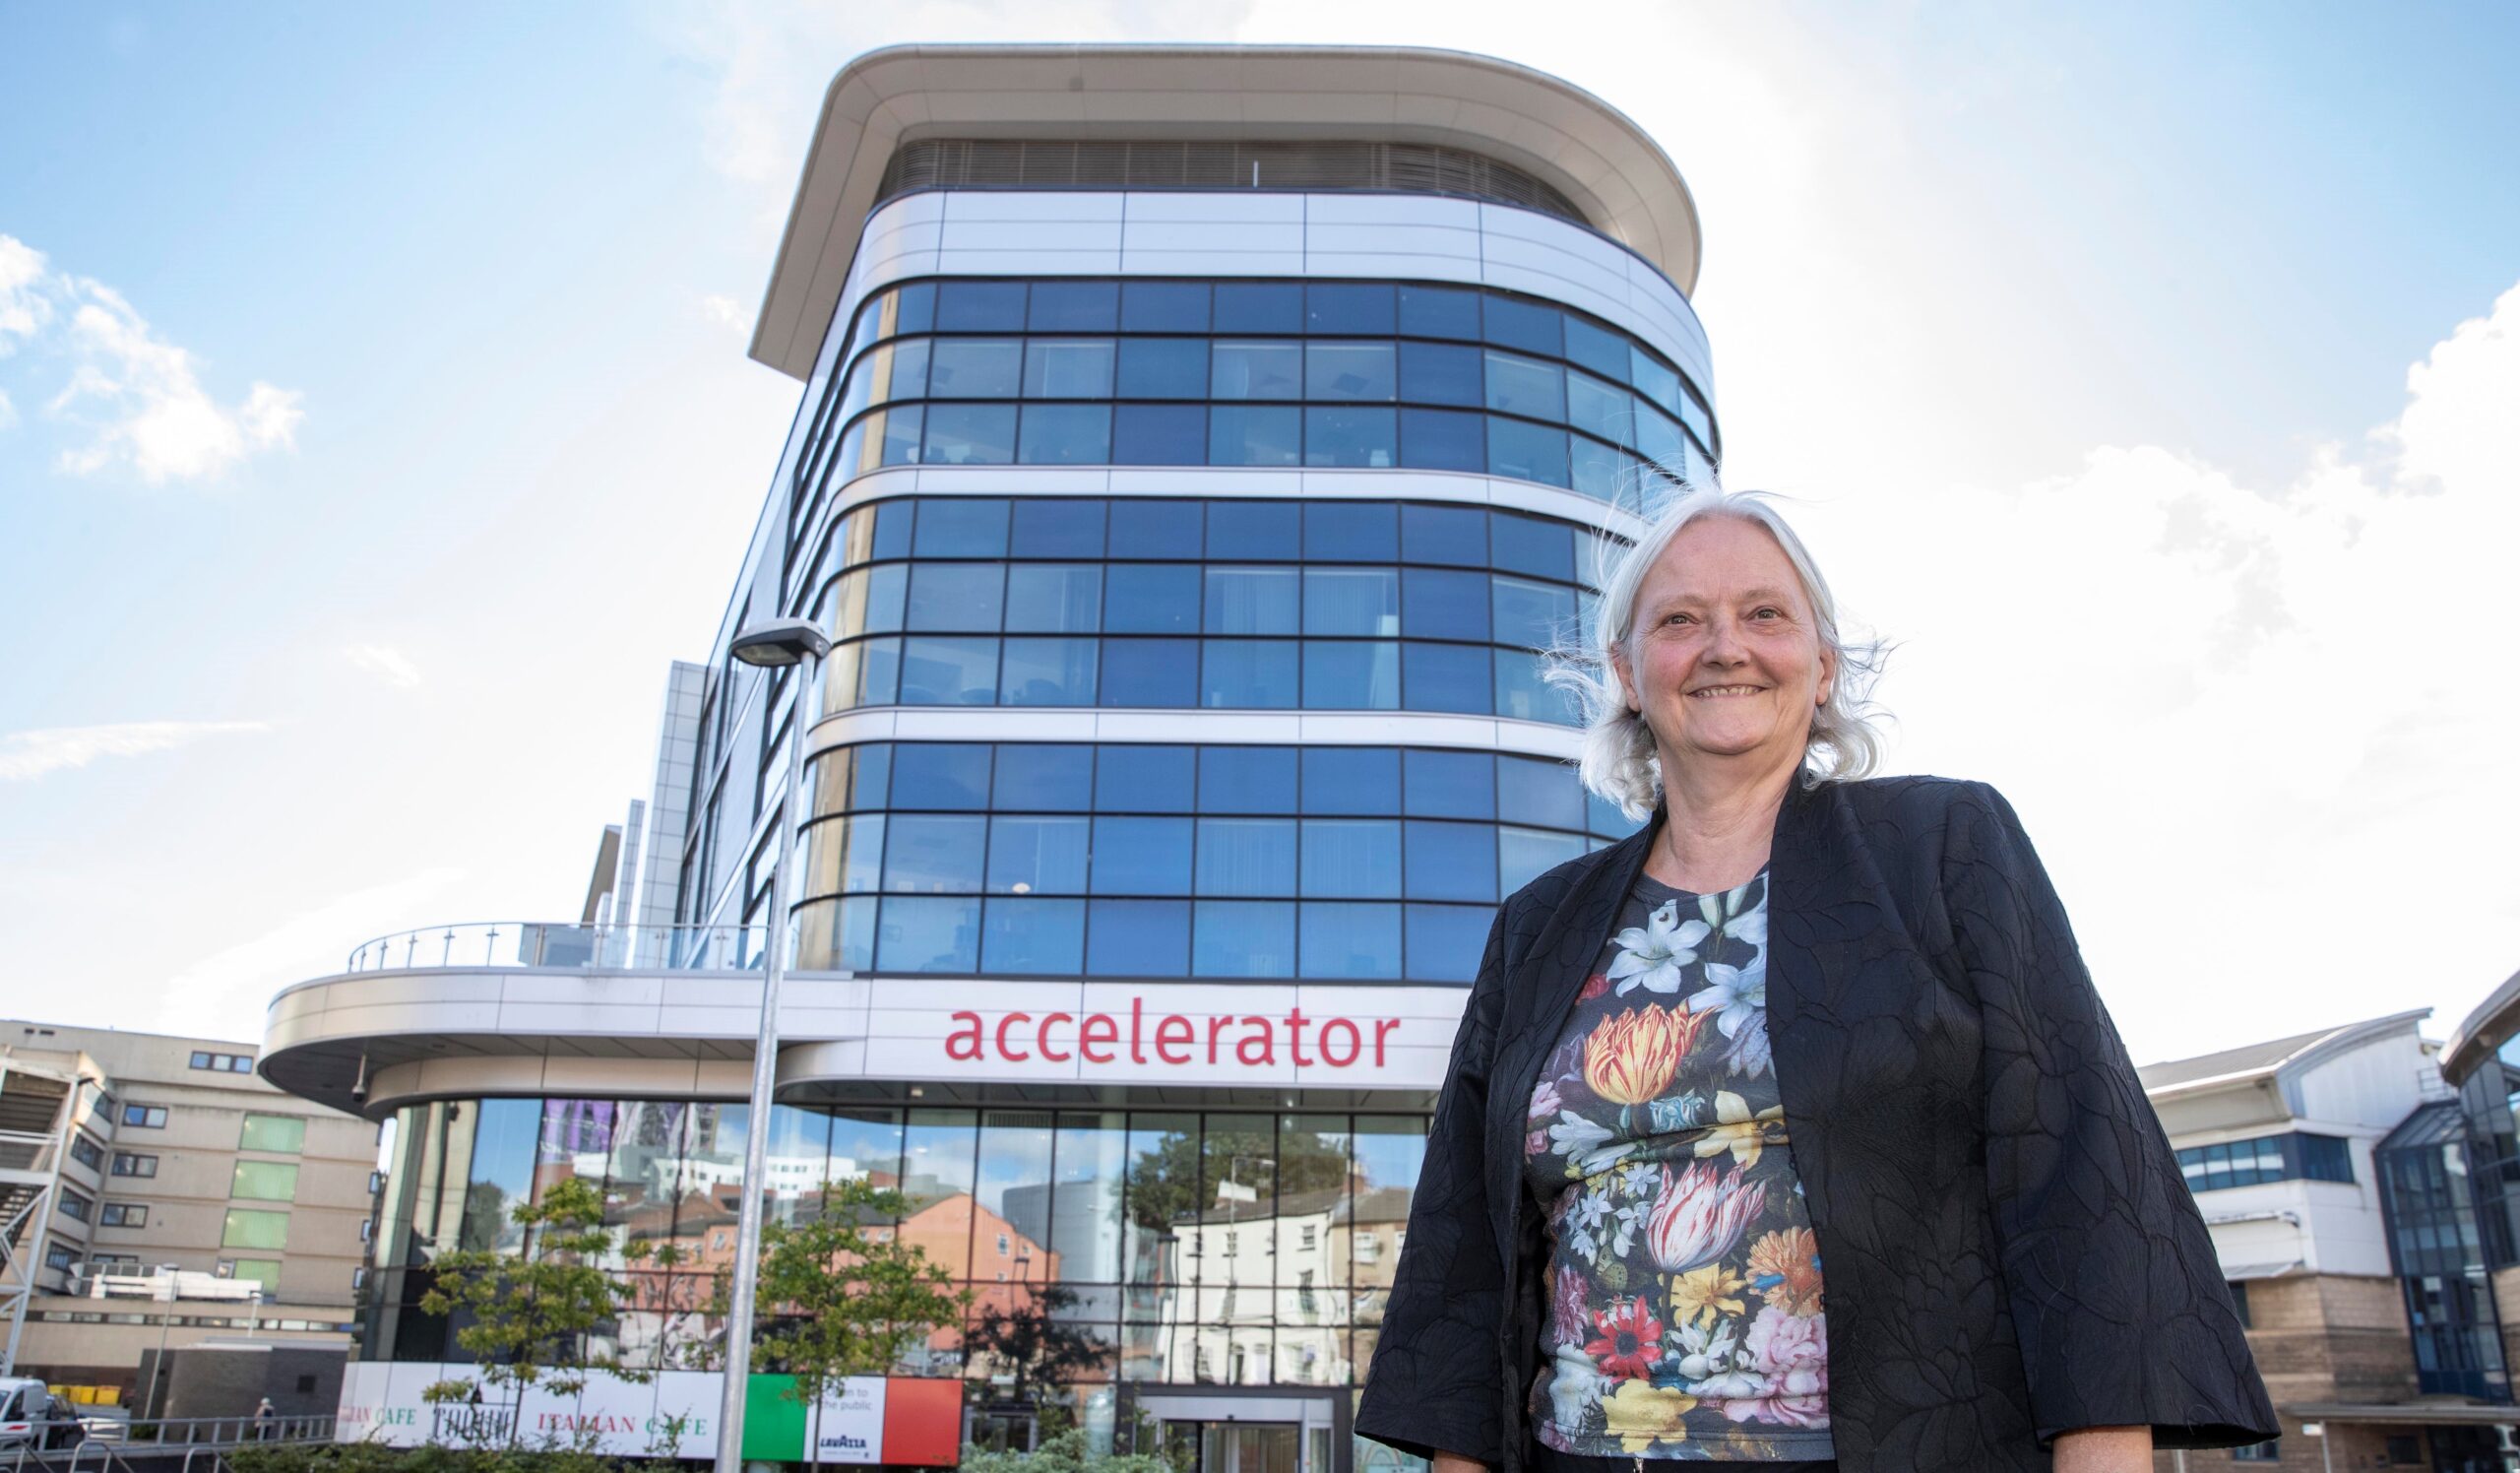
[[378, 426]]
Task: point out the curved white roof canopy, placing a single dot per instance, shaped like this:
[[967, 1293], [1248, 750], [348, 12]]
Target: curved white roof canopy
[[1558, 133]]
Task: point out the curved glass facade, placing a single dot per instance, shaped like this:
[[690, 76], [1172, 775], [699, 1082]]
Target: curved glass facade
[[1356, 864], [1201, 1246]]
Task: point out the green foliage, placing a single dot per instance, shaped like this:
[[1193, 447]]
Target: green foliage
[[841, 1295], [376, 1457], [1033, 1344], [1062, 1453]]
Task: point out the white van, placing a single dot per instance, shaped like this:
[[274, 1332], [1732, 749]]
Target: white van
[[31, 1416]]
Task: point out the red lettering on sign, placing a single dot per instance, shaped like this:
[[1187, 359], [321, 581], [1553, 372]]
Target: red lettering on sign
[[1335, 1043], [1173, 1032], [1257, 1030], [1043, 1038], [1098, 1029], [963, 1043], [1382, 1030], [1137, 1014], [1216, 1030], [1295, 1036], [1003, 1050], [1330, 1032]]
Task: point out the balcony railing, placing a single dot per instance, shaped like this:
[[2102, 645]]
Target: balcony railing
[[562, 943]]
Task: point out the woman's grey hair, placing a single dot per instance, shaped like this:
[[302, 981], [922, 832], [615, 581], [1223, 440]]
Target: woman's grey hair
[[1619, 761]]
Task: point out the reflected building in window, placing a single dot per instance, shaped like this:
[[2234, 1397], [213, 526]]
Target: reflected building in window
[[1198, 451]]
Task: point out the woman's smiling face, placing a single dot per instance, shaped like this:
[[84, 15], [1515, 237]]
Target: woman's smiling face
[[1725, 658]]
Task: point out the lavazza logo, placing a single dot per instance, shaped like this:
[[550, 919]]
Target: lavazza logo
[[1182, 1041]]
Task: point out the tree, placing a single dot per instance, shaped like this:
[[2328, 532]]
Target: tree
[[1030, 1341]]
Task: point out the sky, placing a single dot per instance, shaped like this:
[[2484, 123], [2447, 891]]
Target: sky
[[376, 425]]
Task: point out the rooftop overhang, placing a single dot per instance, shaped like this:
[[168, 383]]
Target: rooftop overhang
[[1581, 145], [2482, 1031], [2405, 1413]]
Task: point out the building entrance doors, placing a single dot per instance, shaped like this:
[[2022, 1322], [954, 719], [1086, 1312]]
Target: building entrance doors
[[1245, 1433]]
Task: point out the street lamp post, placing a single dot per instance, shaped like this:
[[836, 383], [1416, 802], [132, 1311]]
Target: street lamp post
[[776, 643]]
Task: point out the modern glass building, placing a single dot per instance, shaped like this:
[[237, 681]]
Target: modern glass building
[[1197, 448]]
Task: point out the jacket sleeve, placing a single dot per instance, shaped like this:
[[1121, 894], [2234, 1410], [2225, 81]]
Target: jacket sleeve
[[1437, 1381], [2113, 1284]]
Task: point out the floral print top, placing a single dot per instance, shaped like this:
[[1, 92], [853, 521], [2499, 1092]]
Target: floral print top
[[1684, 1318]]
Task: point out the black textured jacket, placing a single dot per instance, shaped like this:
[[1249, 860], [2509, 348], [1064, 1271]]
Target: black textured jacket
[[2010, 1250]]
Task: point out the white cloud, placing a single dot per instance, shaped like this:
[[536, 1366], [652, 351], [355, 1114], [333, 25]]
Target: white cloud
[[386, 664], [137, 399], [25, 755], [8, 410], [724, 311], [226, 994]]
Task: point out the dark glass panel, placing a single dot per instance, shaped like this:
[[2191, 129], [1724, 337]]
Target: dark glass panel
[[1164, 306], [1053, 598], [1526, 386], [1256, 370], [1163, 368], [1529, 545], [915, 308], [1439, 373], [949, 669], [1445, 677], [1160, 434], [1350, 675], [1351, 940], [1067, 368], [1443, 603], [1531, 326], [1524, 854], [881, 675], [934, 853], [1597, 347], [845, 855], [1146, 778], [970, 434], [1659, 439], [1450, 861], [957, 595], [1352, 857], [1259, 307], [1046, 527], [1155, 529], [891, 536], [1351, 779], [1065, 434], [1603, 472], [1548, 794], [1250, 674], [1254, 434], [1350, 532], [981, 307], [1075, 306], [1522, 693], [903, 429], [976, 369], [928, 934], [1045, 937], [1246, 857], [1444, 942], [1352, 308], [1360, 438], [1351, 601], [1243, 939], [1602, 816], [1443, 440], [1151, 598], [1141, 856], [1048, 672], [1653, 380], [1047, 776], [1253, 528], [1138, 938], [1451, 785], [1254, 601], [1247, 780], [1533, 615], [872, 786], [1439, 313], [952, 775], [1159, 672], [1354, 372]]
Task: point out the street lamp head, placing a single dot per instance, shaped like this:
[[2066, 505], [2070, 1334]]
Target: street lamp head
[[777, 642]]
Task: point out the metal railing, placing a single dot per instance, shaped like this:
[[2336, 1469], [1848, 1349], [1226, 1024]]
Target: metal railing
[[565, 943], [175, 1444], [27, 1150]]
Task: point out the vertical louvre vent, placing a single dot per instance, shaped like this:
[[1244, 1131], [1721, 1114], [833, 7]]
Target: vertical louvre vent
[[1327, 165]]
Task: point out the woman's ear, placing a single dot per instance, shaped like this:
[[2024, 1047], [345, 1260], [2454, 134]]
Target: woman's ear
[[1626, 683]]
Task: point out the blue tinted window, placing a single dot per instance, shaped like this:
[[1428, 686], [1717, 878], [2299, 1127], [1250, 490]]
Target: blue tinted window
[[1254, 601], [1540, 793], [1351, 856], [1029, 855], [1249, 675], [1364, 438], [852, 927], [1351, 601], [1599, 408], [941, 775], [1150, 672], [1163, 368], [1352, 780], [1442, 440], [1524, 854], [1445, 942], [1653, 380], [1067, 368], [847, 854], [892, 528], [1441, 604], [927, 935], [1439, 373], [1341, 674], [1445, 677], [980, 306], [1533, 615], [1053, 598], [1254, 434], [1164, 306], [961, 527], [1141, 856], [915, 308], [903, 429], [882, 677], [1146, 778], [1527, 325], [1048, 528], [1259, 307], [949, 669], [957, 595], [1253, 528], [1351, 531], [1256, 370], [873, 780], [1597, 347], [970, 434], [936, 854], [1602, 816], [1527, 545], [1065, 434], [1439, 313], [1348, 940], [1138, 938], [1525, 386], [1355, 308], [1247, 780], [1356, 372], [1043, 775], [1451, 785], [1047, 672], [1075, 306], [975, 367], [1658, 440], [1246, 857], [885, 587], [1160, 434], [1522, 693], [1157, 528], [1244, 938], [1045, 937], [1450, 861], [1601, 472], [1151, 598]]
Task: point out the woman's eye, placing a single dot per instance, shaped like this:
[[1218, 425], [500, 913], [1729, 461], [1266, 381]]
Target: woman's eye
[[1771, 611]]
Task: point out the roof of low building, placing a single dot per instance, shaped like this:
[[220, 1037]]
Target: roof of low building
[[2261, 1059]]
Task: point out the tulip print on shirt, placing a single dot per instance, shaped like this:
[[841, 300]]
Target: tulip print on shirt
[[1684, 1315]]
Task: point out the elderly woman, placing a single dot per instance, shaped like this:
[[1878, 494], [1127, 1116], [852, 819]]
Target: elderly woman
[[1789, 1131]]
